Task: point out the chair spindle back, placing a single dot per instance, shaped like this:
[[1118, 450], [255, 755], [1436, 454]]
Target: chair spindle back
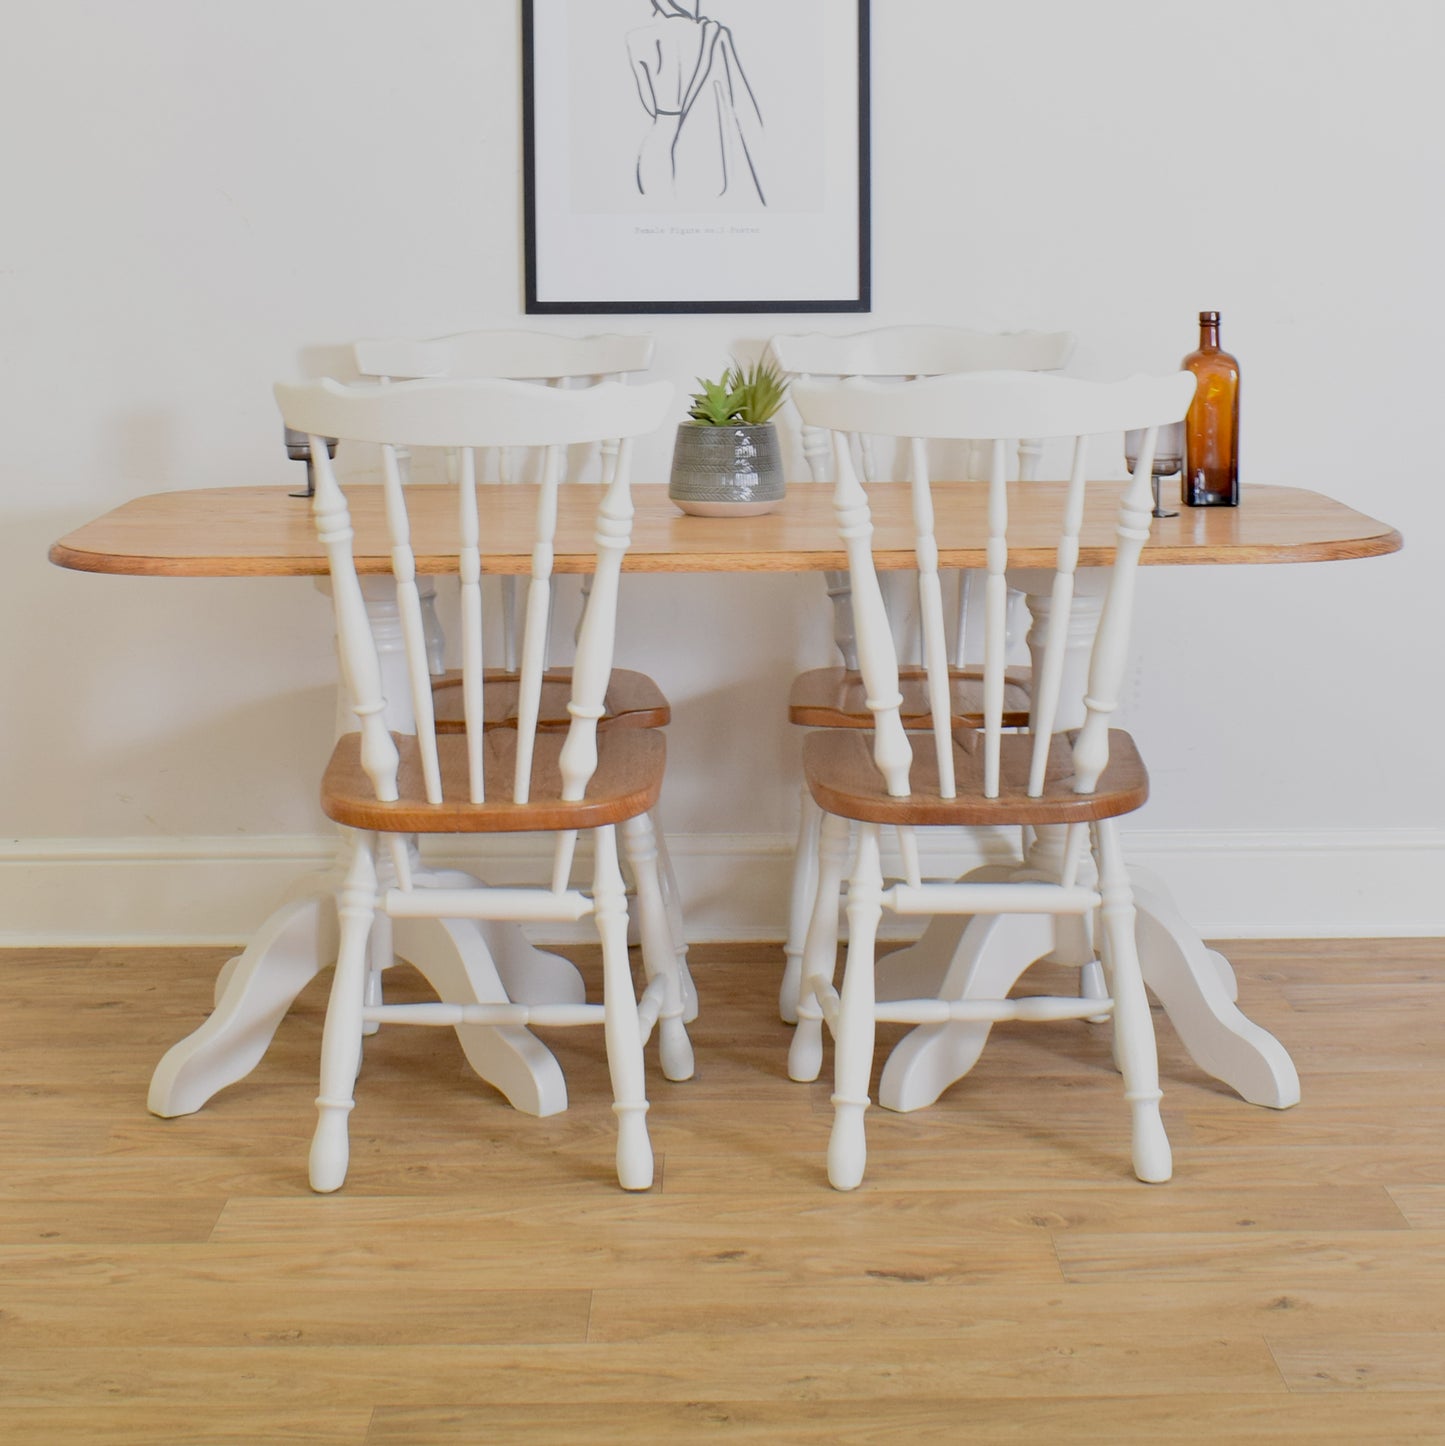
[[466, 416], [912, 352], [996, 408], [534, 356]]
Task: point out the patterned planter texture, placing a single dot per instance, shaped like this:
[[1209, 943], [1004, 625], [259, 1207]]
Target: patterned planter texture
[[726, 471]]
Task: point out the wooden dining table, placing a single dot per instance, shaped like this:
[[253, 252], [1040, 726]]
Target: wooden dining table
[[267, 532], [261, 531]]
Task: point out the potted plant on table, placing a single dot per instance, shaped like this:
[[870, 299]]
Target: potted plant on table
[[727, 460]]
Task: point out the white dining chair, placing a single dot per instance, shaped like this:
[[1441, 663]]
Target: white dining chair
[[832, 697], [387, 787], [634, 699], [947, 776]]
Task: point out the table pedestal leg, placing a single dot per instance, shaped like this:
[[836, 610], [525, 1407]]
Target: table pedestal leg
[[462, 960], [286, 954], [454, 958], [1195, 985], [988, 954], [990, 951], [466, 961], [983, 957], [529, 975]]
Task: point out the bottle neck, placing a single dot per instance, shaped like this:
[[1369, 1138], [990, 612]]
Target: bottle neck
[[1209, 335]]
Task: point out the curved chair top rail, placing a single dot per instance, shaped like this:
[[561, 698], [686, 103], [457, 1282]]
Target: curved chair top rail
[[916, 351], [978, 406], [474, 412], [520, 355]]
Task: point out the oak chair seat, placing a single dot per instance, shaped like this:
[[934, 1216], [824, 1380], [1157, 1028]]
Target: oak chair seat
[[845, 781], [627, 782], [633, 700], [837, 698]]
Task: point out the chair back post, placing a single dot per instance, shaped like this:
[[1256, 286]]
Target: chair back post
[[356, 648], [409, 612], [469, 571], [817, 447], [536, 618], [1111, 644], [596, 637], [877, 656], [995, 614], [930, 610], [1048, 683]]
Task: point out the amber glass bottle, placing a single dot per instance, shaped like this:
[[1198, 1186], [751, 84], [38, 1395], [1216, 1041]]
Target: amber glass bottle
[[1211, 429]]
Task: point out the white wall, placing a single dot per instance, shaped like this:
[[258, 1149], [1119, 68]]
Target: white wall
[[201, 196]]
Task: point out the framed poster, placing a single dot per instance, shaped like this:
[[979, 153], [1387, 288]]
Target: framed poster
[[696, 155]]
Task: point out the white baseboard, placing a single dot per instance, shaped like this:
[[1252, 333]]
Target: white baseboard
[[1232, 884], [1354, 883]]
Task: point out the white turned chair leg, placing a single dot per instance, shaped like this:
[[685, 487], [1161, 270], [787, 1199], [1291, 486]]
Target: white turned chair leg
[[1134, 1047], [672, 902], [1075, 946], [621, 1027], [658, 956], [820, 954], [379, 958], [1093, 985], [341, 1036], [800, 906], [381, 952], [854, 1033]]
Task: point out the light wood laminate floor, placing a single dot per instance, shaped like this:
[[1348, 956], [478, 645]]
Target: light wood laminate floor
[[1000, 1277]]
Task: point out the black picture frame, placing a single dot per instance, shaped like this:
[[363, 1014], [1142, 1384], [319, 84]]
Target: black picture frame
[[627, 287]]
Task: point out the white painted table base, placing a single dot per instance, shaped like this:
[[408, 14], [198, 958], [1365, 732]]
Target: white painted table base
[[465, 961], [468, 961], [984, 957], [960, 958]]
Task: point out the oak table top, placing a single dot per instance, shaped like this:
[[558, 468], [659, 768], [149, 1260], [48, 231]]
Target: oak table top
[[266, 532]]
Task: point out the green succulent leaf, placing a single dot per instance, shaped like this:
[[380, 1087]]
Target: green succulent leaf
[[717, 403], [764, 389], [750, 396]]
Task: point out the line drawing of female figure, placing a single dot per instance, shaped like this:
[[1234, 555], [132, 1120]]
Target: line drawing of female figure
[[706, 131]]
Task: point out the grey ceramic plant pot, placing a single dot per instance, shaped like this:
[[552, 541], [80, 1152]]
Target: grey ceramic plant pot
[[729, 471]]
